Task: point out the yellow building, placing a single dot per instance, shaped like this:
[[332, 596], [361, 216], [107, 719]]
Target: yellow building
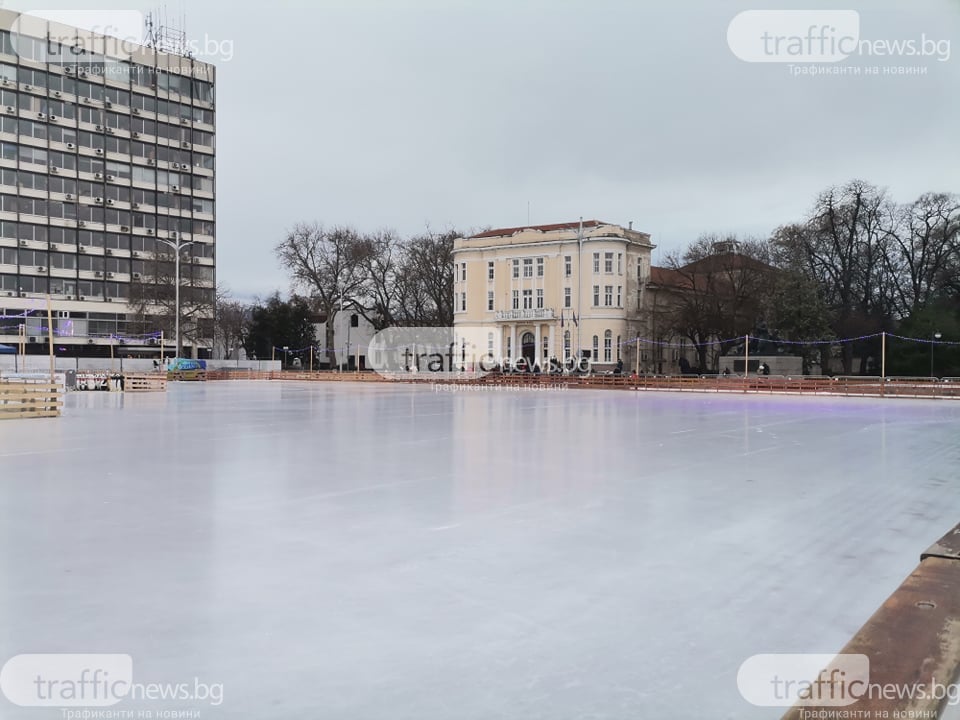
[[571, 290]]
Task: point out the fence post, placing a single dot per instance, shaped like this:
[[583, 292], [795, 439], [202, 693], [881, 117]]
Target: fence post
[[883, 361], [746, 361]]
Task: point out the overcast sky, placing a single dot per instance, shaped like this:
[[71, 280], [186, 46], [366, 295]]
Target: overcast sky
[[403, 113]]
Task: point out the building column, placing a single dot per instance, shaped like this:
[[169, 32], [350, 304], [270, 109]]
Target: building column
[[537, 341], [513, 341], [552, 348]]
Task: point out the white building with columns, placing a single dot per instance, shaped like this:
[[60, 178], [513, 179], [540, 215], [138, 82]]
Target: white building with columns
[[569, 290]]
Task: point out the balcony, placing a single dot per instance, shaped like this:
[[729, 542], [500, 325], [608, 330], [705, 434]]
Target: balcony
[[532, 314]]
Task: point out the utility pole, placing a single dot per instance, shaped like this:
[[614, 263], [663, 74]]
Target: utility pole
[[177, 247]]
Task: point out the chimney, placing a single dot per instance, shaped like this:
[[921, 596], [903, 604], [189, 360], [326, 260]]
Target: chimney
[[630, 225]]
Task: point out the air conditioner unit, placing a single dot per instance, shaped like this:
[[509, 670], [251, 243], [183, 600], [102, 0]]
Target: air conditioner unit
[[175, 188], [57, 93], [41, 116], [109, 274], [53, 247], [108, 251], [71, 146], [99, 176], [185, 144], [109, 299], [151, 161], [53, 118], [81, 298], [11, 109], [149, 231], [136, 276], [109, 130], [124, 228], [82, 249], [41, 269], [28, 87], [173, 234], [86, 101], [54, 169], [136, 111], [99, 128], [110, 177], [99, 151], [98, 200], [135, 254], [107, 103], [184, 121], [9, 293], [68, 196], [135, 205], [23, 243], [80, 223], [135, 134], [23, 294], [68, 70], [109, 201], [98, 273]]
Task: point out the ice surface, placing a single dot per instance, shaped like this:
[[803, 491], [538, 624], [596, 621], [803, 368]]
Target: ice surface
[[361, 551]]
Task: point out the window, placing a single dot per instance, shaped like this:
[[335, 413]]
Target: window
[[527, 299], [607, 343], [456, 273], [509, 347], [539, 267], [516, 268], [596, 347], [490, 300], [596, 262], [528, 267], [639, 270], [490, 270], [618, 347], [567, 266], [463, 271], [539, 298], [607, 295], [546, 347], [619, 263], [567, 298], [608, 262], [490, 344], [566, 344], [463, 302], [354, 320], [596, 295], [516, 300]]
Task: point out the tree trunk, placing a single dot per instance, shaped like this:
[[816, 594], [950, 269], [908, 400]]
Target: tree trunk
[[329, 340]]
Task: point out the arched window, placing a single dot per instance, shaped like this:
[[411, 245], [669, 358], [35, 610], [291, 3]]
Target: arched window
[[608, 346]]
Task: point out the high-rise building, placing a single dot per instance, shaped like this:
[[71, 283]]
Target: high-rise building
[[107, 167]]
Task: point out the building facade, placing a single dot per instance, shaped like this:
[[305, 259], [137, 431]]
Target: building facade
[[107, 162], [565, 291]]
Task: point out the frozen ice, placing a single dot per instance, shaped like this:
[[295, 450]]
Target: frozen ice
[[333, 550]]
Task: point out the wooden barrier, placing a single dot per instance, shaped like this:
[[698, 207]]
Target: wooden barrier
[[145, 382], [854, 386], [29, 400]]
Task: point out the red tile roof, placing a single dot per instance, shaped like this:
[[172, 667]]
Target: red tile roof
[[499, 232]]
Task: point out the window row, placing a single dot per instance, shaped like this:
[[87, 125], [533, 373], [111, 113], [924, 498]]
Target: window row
[[608, 263], [97, 239], [98, 263], [98, 140], [608, 296], [106, 191], [10, 98], [528, 267], [88, 289], [79, 62]]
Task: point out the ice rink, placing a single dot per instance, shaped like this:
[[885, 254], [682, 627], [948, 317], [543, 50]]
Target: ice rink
[[365, 551]]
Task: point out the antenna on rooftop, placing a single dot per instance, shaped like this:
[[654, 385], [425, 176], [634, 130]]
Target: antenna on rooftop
[[163, 35]]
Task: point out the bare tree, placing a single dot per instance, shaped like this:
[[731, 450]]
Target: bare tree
[[426, 279], [232, 321], [724, 288], [327, 265], [153, 298]]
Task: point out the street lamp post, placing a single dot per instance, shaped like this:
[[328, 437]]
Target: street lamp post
[[286, 357], [936, 336], [177, 246]]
